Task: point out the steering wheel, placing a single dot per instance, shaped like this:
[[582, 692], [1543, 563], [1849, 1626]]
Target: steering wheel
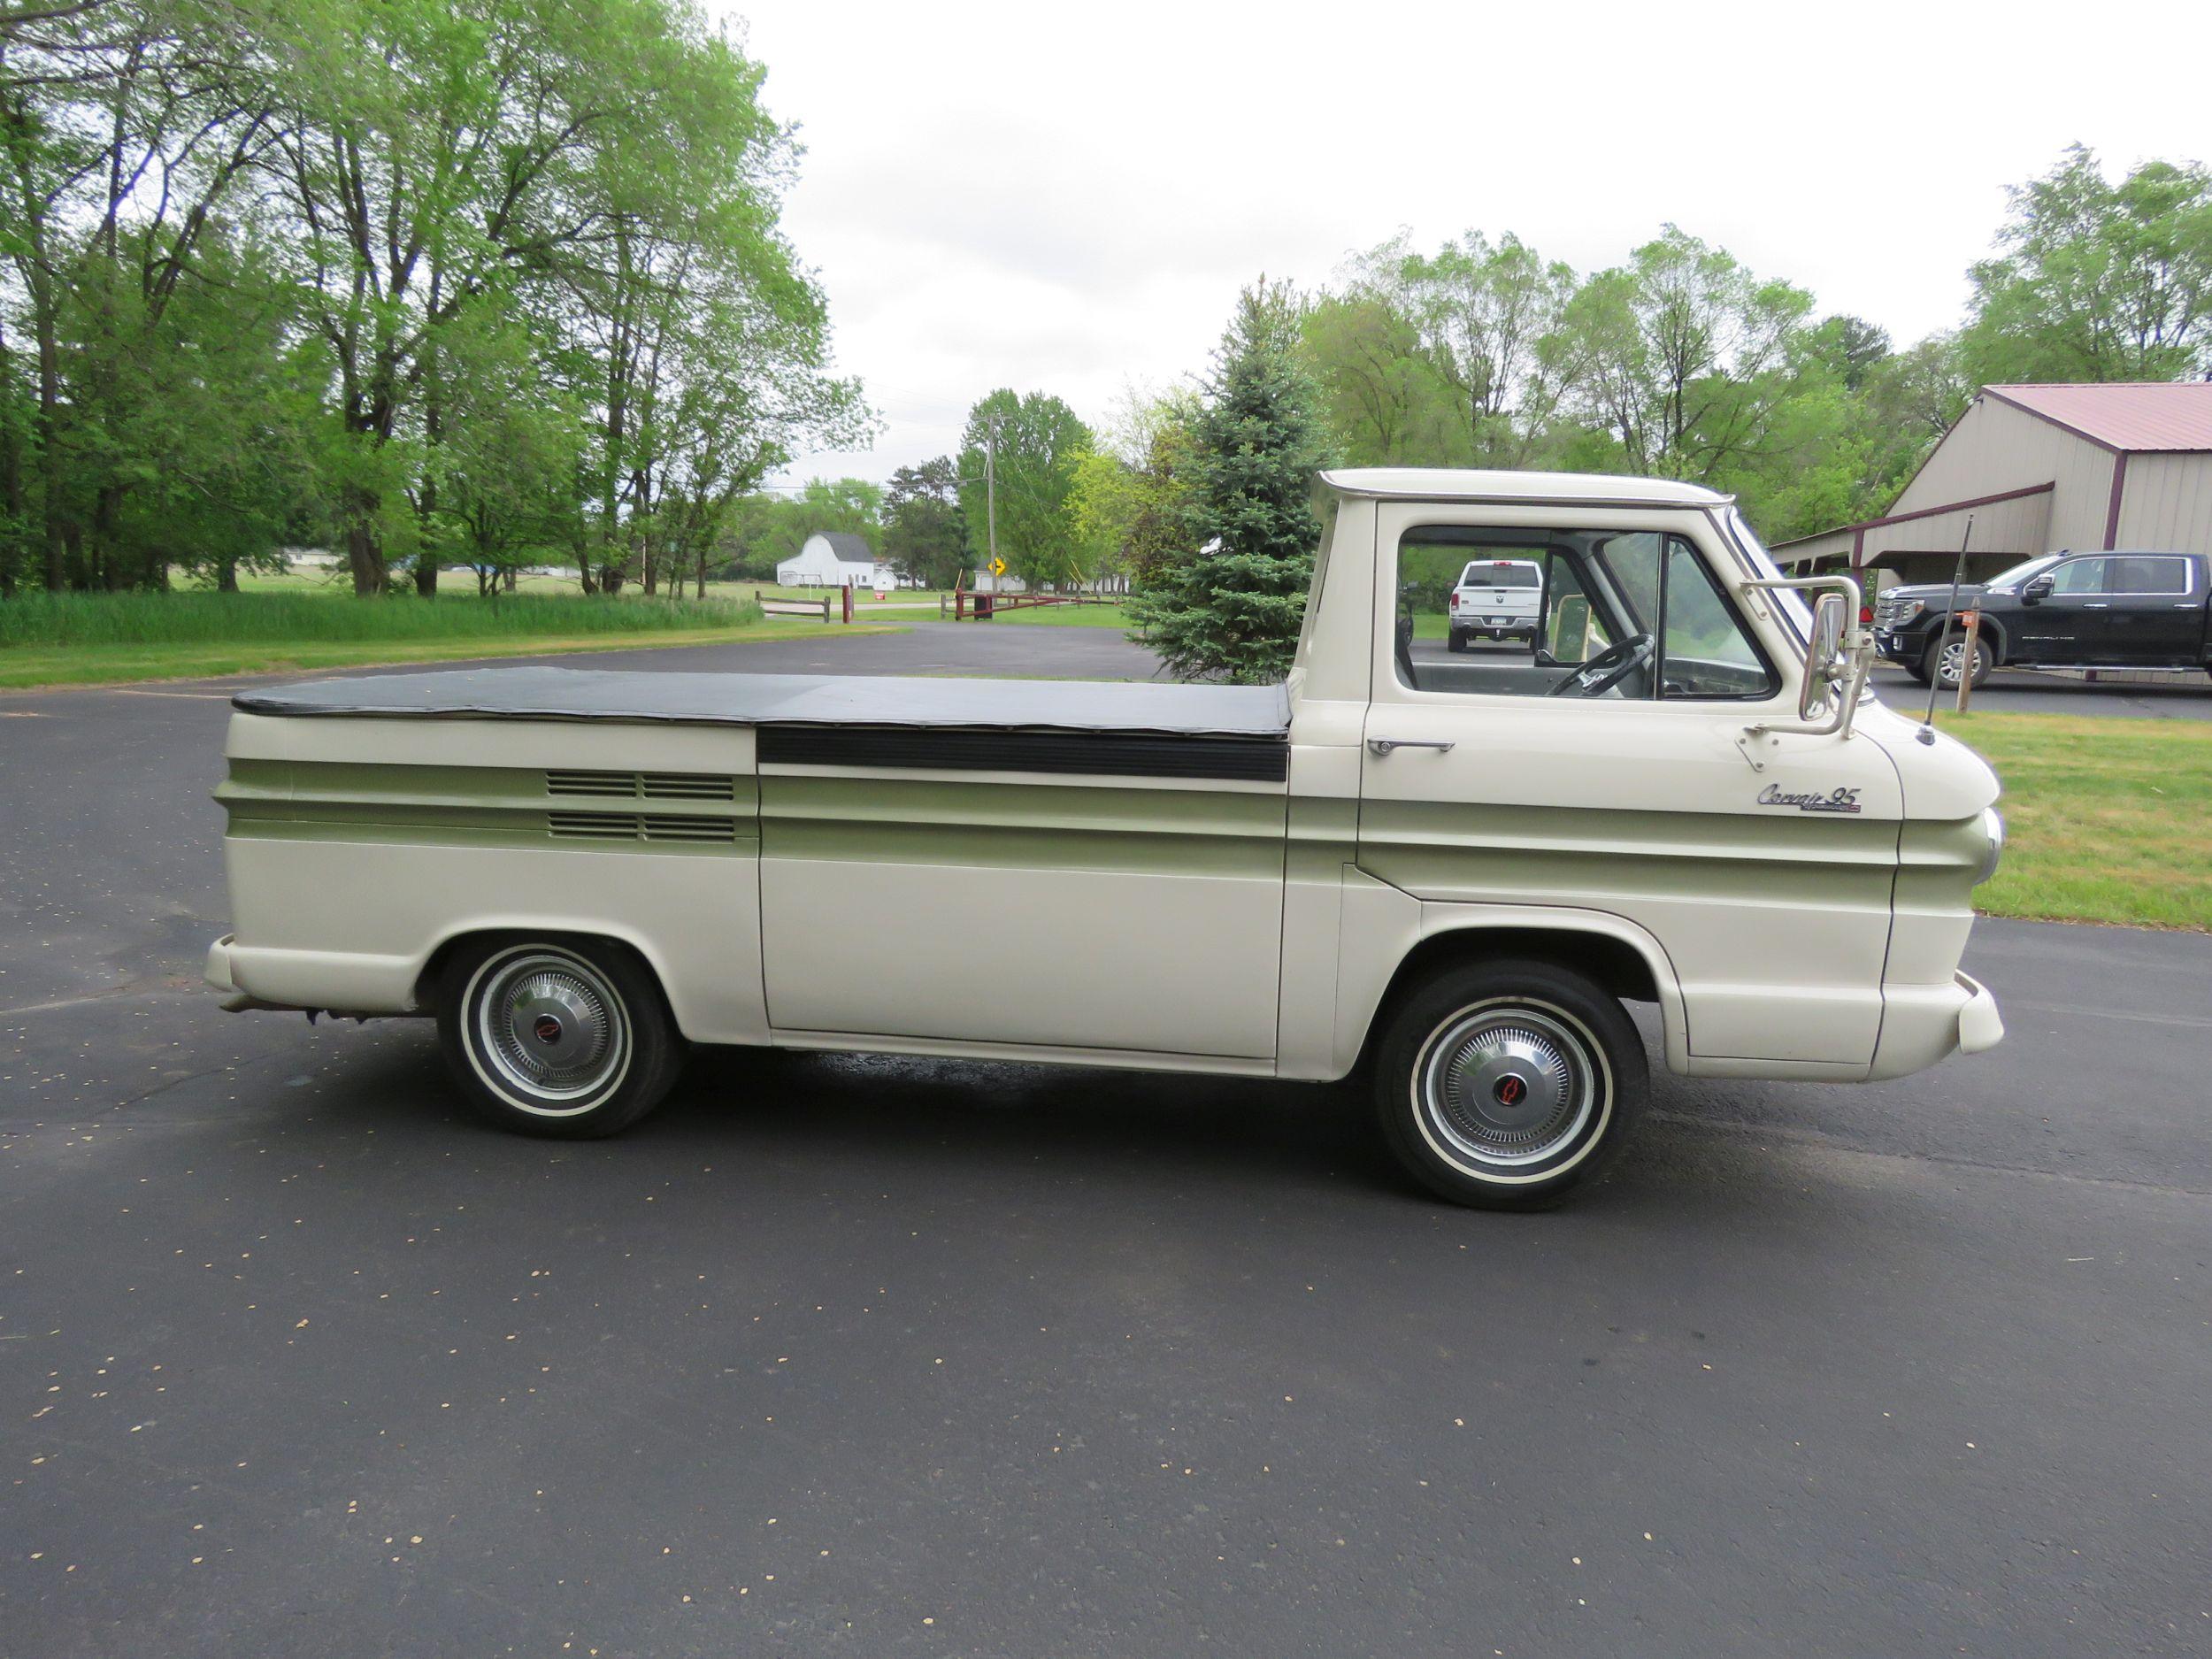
[[1401, 646], [1607, 669]]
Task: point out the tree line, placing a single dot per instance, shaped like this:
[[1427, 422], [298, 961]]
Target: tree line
[[439, 283], [1680, 361]]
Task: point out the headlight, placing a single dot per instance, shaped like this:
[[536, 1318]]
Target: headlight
[[1909, 610], [1992, 826]]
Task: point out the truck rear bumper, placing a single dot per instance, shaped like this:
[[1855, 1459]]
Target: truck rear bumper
[[1921, 1024], [217, 972], [343, 983]]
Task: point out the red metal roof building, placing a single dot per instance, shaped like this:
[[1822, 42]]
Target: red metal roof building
[[2041, 468]]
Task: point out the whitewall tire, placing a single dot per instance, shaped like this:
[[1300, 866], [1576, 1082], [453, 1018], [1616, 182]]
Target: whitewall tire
[[564, 1038], [1507, 1085]]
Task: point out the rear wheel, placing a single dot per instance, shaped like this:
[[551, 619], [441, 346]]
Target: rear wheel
[[1455, 642], [1506, 1086], [568, 1038]]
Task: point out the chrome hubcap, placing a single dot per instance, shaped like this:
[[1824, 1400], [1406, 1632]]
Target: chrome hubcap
[[550, 1028], [1508, 1084]]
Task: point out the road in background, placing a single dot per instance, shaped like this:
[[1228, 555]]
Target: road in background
[[2018, 691], [885, 1356]]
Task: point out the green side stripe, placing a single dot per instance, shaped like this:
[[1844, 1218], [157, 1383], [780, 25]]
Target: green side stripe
[[1219, 833], [470, 806], [519, 834], [1448, 849]]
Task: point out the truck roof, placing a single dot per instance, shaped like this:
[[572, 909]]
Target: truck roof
[[1440, 483]]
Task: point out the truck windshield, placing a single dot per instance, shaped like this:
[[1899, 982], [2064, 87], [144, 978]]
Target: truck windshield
[[2020, 573], [1796, 614]]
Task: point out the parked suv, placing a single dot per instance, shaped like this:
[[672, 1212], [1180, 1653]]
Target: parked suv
[[1499, 599], [2105, 609]]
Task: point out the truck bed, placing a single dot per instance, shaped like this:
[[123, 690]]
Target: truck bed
[[1048, 725]]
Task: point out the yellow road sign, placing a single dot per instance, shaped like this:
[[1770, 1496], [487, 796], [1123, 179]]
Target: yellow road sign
[[998, 567]]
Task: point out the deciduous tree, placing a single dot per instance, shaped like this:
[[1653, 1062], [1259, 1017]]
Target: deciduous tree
[[2098, 282]]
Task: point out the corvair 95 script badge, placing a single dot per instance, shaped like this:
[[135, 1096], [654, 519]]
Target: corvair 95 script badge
[[1834, 801]]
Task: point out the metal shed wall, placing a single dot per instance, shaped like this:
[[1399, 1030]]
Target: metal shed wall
[[2166, 504], [1995, 447]]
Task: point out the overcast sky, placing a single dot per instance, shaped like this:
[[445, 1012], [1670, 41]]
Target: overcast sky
[[1067, 198]]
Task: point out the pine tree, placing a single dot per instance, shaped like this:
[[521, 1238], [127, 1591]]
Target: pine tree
[[1230, 608]]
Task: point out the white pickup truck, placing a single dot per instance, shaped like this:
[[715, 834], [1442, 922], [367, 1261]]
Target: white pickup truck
[[1496, 599], [1449, 872]]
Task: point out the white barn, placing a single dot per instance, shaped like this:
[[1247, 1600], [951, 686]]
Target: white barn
[[831, 558], [2040, 469]]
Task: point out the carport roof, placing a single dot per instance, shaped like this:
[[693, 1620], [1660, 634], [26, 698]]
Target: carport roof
[[2136, 416]]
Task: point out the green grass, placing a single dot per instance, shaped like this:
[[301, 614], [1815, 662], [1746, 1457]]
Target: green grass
[[207, 619], [2106, 820], [85, 639], [462, 585]]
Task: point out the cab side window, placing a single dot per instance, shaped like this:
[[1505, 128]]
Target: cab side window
[[2079, 576], [2168, 576], [1567, 614]]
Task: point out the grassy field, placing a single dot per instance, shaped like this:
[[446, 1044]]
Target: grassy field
[[461, 585], [85, 639], [2106, 820]]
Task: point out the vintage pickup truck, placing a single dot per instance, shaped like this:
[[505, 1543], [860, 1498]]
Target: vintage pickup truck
[[1450, 870]]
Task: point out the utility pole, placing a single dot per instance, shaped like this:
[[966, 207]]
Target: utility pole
[[990, 492]]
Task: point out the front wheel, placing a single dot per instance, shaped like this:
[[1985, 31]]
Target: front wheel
[[1945, 658], [1505, 1085], [567, 1039]]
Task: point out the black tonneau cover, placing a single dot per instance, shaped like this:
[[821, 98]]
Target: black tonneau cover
[[791, 699]]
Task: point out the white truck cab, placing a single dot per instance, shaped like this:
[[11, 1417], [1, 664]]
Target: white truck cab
[[1448, 871]]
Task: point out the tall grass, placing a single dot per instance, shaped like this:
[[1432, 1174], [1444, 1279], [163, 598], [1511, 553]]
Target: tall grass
[[66, 620]]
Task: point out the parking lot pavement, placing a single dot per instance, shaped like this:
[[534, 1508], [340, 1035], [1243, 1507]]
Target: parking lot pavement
[[884, 1356], [2020, 692]]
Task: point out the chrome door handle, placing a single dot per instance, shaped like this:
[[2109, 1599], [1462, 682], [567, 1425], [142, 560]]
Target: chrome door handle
[[1385, 745], [2096, 604]]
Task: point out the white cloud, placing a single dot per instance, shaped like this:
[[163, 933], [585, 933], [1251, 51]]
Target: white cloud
[[1066, 199]]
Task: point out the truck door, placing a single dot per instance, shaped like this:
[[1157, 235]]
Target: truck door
[[1598, 770], [2067, 625], [2154, 612]]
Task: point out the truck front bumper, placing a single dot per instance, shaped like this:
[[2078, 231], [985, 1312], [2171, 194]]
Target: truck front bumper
[[1900, 648], [1923, 1024]]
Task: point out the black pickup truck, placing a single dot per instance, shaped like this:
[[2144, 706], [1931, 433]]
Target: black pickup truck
[[2062, 610]]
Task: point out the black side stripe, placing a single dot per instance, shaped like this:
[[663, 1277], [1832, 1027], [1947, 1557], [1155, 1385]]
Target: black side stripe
[[1101, 754]]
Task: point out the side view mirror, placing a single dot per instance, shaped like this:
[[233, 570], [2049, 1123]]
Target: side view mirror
[[2038, 588], [1826, 663]]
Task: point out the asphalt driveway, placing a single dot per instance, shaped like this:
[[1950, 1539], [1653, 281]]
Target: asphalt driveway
[[889, 1356]]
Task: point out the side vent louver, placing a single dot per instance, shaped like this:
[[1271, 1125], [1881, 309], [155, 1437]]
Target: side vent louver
[[594, 783], [593, 826], [663, 827], [686, 786], [654, 786]]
